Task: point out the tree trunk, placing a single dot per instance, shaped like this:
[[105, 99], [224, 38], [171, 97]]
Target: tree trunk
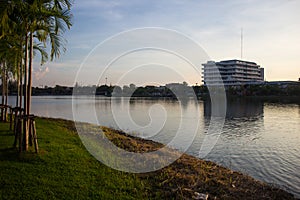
[[30, 73], [21, 83], [2, 80], [18, 86], [3, 92], [19, 78], [4, 83], [6, 94], [25, 124], [28, 91], [25, 74]]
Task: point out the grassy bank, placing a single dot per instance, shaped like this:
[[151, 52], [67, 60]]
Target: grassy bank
[[65, 170]]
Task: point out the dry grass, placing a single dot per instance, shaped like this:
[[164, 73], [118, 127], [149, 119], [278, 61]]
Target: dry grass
[[188, 175]]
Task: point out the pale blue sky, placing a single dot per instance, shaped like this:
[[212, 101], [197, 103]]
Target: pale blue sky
[[271, 33]]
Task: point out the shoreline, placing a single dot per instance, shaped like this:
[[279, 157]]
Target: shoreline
[[224, 175], [184, 179]]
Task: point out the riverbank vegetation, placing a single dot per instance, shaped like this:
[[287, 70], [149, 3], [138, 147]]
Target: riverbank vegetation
[[65, 170]]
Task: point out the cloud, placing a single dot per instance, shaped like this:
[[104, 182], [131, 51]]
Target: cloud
[[41, 72]]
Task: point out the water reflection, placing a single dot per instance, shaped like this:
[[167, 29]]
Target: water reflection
[[238, 108]]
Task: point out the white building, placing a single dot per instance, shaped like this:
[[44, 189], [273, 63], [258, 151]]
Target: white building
[[232, 72]]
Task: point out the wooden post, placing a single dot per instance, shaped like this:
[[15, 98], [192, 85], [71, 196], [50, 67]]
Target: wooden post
[[17, 112], [5, 113], [25, 132], [16, 131], [10, 117], [20, 134], [31, 127], [35, 136], [15, 118], [1, 117]]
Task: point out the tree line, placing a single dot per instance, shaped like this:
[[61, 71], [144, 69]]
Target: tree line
[[162, 91]]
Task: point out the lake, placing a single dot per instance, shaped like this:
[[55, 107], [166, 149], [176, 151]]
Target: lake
[[259, 139]]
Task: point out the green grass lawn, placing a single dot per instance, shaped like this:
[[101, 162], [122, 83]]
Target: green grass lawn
[[64, 169]]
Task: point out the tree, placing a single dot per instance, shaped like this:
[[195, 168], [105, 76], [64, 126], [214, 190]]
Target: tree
[[48, 22], [7, 61], [33, 24]]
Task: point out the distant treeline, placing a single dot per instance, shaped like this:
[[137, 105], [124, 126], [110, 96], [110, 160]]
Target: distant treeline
[[169, 90]]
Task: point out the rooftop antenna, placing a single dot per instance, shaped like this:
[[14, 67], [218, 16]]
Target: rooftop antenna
[[241, 43]]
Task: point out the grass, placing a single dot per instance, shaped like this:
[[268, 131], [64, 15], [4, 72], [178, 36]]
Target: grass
[[65, 170], [62, 170]]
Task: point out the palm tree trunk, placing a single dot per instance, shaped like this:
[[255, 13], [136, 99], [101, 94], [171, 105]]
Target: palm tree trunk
[[2, 80], [21, 83], [18, 86], [4, 83], [19, 64], [25, 74], [30, 73], [25, 126], [3, 93], [6, 95], [29, 88]]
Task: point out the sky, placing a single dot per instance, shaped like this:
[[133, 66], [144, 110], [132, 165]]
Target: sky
[[102, 43]]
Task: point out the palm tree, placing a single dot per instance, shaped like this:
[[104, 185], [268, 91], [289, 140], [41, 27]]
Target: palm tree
[[12, 31], [7, 58], [49, 21], [32, 21]]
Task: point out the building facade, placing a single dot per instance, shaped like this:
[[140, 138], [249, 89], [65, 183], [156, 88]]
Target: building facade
[[232, 72]]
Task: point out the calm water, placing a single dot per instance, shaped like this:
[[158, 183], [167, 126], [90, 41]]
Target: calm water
[[259, 139]]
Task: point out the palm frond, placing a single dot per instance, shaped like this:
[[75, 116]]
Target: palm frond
[[42, 50]]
